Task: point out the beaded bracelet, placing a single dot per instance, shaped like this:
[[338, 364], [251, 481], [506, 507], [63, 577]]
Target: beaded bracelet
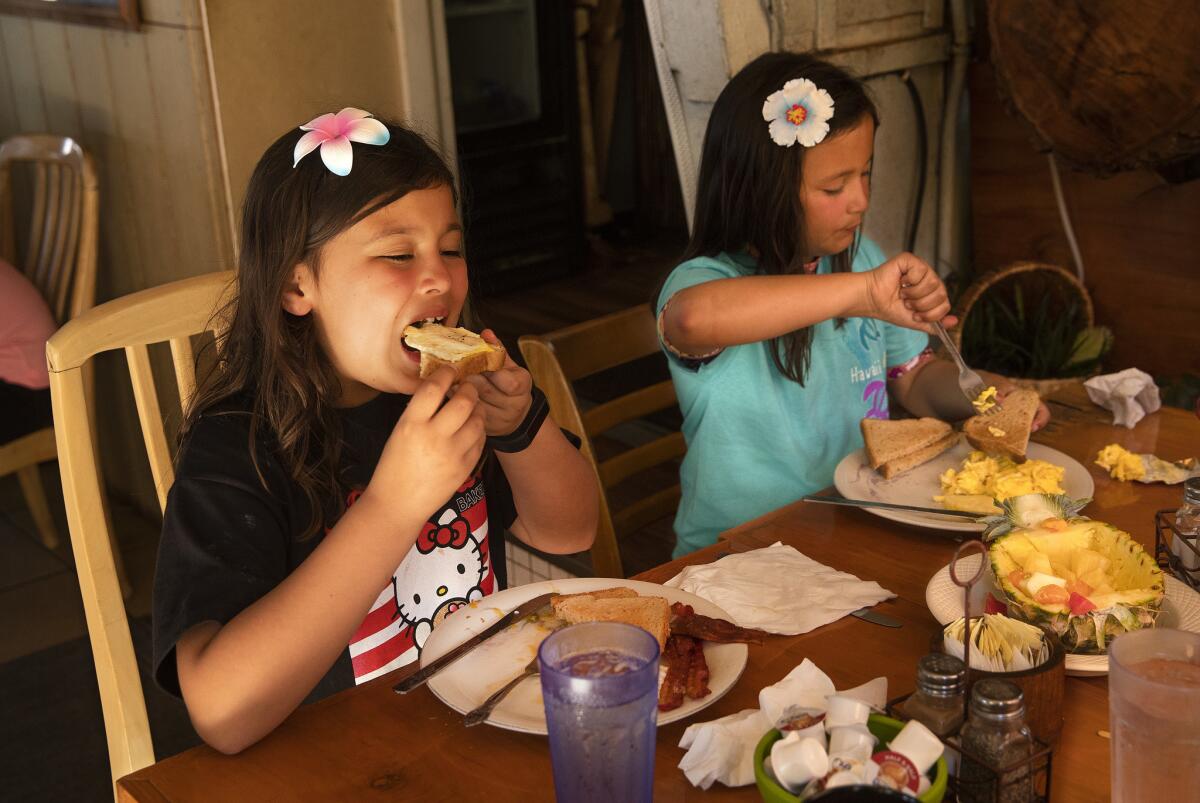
[[520, 438]]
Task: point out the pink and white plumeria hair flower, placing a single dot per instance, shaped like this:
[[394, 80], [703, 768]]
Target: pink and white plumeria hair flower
[[334, 133], [800, 112]]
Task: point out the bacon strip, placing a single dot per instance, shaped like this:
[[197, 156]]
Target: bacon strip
[[678, 659], [686, 622], [697, 678]]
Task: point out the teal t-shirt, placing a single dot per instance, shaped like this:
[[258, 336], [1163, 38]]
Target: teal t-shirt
[[757, 440]]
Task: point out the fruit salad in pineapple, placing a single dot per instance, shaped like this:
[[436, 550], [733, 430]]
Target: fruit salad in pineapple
[[1085, 580]]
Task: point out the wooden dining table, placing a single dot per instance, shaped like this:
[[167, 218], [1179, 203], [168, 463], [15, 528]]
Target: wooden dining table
[[368, 743]]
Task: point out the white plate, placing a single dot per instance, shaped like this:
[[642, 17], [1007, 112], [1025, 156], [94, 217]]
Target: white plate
[[469, 681], [855, 479], [1180, 610]]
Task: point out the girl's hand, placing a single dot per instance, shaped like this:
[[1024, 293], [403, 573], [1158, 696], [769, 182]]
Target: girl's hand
[[431, 451], [504, 394], [908, 292]]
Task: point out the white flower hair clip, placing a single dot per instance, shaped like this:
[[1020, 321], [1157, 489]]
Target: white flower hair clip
[[334, 133], [800, 112]]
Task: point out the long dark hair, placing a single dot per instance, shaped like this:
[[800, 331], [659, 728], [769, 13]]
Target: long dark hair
[[748, 195], [271, 358]]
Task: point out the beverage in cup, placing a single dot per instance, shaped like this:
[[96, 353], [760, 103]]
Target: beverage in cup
[[600, 690], [1154, 715]]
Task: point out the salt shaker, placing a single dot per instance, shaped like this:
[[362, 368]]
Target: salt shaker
[[1187, 527], [938, 701], [994, 738]]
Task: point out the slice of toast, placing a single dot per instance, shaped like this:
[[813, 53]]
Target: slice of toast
[[652, 614], [888, 440], [619, 592], [461, 349], [1005, 431], [915, 458]]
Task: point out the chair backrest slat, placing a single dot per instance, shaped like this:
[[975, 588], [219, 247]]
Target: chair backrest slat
[[184, 359], [52, 218], [597, 345], [154, 433], [37, 222], [638, 404], [66, 243]]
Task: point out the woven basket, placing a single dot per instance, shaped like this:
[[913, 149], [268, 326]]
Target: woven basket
[[1050, 273]]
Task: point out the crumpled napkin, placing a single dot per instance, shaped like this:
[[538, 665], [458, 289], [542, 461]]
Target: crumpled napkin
[[778, 589], [723, 750], [1130, 394]]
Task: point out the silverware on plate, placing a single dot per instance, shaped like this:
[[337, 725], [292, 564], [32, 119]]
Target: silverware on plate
[[841, 500], [484, 710], [423, 674]]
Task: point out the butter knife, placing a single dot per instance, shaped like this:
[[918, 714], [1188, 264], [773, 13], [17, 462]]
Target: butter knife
[[429, 670], [841, 500], [868, 615]]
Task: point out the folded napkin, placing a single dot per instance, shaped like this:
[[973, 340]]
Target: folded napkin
[[779, 590], [723, 750], [1130, 394]]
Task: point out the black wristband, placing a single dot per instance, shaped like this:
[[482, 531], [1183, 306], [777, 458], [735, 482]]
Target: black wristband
[[520, 438]]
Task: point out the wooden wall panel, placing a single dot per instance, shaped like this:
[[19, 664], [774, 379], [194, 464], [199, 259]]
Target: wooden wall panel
[[1139, 236], [141, 104]]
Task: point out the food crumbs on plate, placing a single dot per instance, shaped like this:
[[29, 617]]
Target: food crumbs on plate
[[1121, 463], [985, 401], [997, 432]]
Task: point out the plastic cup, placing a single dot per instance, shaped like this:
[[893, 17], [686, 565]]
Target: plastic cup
[[1154, 715], [600, 690]]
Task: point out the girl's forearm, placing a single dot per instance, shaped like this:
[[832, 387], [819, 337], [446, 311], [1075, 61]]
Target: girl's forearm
[[555, 492], [932, 389], [241, 680], [729, 312]]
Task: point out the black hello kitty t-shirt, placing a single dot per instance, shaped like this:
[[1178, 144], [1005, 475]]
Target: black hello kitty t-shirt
[[227, 542]]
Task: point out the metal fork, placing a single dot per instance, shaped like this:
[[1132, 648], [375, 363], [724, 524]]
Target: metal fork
[[969, 382], [481, 713]]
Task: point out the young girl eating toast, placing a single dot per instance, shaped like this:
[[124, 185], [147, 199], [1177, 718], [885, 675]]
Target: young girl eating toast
[[784, 325], [330, 507]]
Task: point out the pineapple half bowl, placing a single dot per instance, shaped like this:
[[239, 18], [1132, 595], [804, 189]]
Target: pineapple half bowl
[[1085, 580]]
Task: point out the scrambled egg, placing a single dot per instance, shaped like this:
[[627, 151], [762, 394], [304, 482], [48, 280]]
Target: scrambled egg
[[1121, 463], [997, 432], [986, 401], [1000, 478]]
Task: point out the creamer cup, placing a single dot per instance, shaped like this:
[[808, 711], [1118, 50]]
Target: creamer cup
[[851, 741], [796, 761], [846, 711], [919, 744]]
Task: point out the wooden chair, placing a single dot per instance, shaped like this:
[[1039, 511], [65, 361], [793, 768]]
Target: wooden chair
[[172, 313], [60, 260], [558, 359]]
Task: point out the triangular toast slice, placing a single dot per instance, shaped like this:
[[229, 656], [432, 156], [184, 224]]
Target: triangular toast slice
[[888, 440], [923, 455], [1005, 431]]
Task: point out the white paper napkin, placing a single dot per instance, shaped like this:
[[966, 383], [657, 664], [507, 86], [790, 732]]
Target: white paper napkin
[[723, 750], [779, 590], [1130, 394]]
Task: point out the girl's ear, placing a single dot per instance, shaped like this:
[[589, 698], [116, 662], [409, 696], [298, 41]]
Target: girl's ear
[[297, 291]]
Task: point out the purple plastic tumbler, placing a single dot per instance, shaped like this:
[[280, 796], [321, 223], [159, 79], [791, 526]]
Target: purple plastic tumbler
[[600, 689]]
